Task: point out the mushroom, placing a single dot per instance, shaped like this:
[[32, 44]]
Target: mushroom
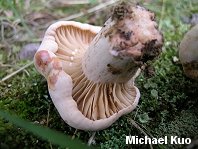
[[91, 70], [188, 53]]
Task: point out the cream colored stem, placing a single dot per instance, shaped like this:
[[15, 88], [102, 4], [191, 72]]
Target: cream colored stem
[[127, 39], [101, 64], [106, 61]]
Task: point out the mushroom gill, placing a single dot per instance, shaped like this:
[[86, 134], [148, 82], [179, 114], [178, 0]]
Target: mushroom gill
[[91, 70], [95, 100]]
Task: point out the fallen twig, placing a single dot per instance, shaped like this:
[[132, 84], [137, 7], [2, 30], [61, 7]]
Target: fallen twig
[[80, 14], [15, 72], [70, 2], [162, 14], [142, 131], [91, 138]]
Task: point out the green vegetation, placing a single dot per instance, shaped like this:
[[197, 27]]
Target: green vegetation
[[168, 104], [45, 133]]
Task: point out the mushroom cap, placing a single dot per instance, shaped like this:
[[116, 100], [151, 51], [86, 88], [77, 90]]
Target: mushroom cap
[[188, 52], [81, 103]]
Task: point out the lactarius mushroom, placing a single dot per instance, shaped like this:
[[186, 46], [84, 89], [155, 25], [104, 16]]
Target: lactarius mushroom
[[188, 53], [91, 70]]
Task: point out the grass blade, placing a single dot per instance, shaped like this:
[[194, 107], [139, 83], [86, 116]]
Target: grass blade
[[22, 21], [46, 133]]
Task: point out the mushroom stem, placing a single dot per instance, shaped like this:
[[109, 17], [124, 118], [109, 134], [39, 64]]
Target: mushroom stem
[[92, 90], [188, 53], [128, 38]]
